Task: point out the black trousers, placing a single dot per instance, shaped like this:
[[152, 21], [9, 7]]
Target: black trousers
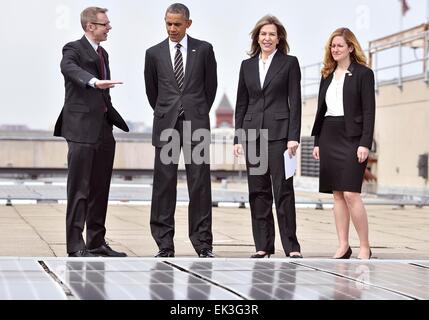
[[88, 183], [164, 194], [261, 190]]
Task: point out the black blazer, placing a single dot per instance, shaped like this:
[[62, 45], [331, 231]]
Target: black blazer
[[164, 95], [358, 101], [276, 106], [83, 112]]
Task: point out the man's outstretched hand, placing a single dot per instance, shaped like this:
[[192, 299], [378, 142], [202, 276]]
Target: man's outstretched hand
[[106, 84]]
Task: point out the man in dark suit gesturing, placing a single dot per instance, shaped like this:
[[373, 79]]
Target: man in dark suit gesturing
[[181, 83], [86, 123]]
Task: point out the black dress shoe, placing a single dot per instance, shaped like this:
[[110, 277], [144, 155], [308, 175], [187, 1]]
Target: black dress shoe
[[81, 254], [260, 256], [165, 253], [106, 251], [206, 253], [296, 256], [346, 255]]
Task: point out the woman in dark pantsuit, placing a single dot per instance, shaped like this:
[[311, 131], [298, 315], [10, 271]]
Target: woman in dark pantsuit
[[343, 131], [269, 104]]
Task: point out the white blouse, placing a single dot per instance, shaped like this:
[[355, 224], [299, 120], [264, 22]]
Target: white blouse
[[334, 97], [264, 66]]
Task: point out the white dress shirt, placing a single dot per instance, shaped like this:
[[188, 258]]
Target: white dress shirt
[[334, 97], [264, 66], [93, 44], [183, 50]]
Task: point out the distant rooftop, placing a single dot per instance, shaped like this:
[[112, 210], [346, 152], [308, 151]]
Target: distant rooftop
[[224, 106], [44, 135], [14, 127]]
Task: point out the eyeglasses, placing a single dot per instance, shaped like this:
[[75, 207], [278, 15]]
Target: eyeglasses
[[101, 24]]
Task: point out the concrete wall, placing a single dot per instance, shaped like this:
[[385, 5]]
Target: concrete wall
[[402, 133], [136, 154], [33, 154]]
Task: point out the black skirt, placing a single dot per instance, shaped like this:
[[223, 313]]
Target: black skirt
[[340, 169]]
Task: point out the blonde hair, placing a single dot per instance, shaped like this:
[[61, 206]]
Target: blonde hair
[[357, 55], [90, 15], [283, 45]]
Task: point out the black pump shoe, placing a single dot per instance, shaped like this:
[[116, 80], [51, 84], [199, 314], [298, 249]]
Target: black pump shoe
[[346, 255], [259, 256]]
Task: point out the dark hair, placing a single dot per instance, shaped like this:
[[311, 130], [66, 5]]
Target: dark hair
[[283, 46], [178, 8]]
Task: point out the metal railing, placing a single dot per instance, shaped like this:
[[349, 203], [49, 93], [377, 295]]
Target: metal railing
[[310, 79], [415, 42]]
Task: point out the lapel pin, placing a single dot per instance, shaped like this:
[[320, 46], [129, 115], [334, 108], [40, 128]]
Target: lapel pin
[[193, 50]]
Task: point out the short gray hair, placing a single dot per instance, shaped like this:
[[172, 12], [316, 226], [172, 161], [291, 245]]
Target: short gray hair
[[178, 8], [90, 15]]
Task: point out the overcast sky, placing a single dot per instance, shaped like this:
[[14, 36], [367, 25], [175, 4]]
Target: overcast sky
[[33, 32]]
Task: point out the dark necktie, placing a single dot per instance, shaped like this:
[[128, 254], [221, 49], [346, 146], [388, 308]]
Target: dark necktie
[[102, 68], [178, 72], [102, 63]]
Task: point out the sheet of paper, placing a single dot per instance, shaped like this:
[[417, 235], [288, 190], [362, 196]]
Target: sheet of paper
[[290, 165]]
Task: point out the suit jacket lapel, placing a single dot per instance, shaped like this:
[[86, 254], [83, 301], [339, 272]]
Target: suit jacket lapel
[[351, 67], [275, 67], [190, 59], [91, 52], [347, 83], [326, 84], [347, 77], [166, 59], [254, 72], [328, 81]]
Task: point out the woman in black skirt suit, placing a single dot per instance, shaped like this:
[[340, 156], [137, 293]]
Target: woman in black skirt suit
[[343, 131]]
